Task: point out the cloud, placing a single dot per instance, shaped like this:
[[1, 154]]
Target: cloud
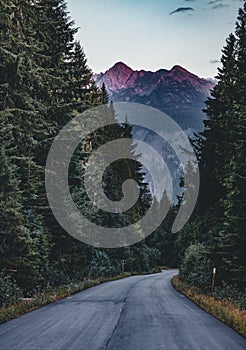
[[181, 10], [219, 6], [213, 2], [214, 61], [190, 0]]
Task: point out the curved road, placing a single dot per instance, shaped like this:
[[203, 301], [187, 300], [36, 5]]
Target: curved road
[[135, 313]]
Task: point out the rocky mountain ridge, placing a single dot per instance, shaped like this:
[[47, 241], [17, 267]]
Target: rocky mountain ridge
[[177, 92]]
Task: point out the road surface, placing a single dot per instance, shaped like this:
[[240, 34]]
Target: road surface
[[136, 313]]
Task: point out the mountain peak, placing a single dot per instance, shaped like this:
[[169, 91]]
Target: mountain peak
[[121, 64], [180, 74], [178, 67], [180, 71], [177, 92], [120, 78]]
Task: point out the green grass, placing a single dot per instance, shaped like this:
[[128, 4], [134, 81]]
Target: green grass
[[224, 310]]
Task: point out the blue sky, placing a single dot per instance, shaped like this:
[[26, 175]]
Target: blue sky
[[144, 35]]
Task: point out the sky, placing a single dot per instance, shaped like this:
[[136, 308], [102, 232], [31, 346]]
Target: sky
[[154, 34]]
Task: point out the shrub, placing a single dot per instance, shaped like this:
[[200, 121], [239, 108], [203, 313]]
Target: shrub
[[9, 291], [100, 265], [57, 277], [195, 268], [232, 294]]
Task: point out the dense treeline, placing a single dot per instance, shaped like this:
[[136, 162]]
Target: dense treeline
[[44, 83], [215, 237]]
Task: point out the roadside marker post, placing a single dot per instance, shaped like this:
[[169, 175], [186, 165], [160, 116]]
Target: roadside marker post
[[123, 263], [213, 279]]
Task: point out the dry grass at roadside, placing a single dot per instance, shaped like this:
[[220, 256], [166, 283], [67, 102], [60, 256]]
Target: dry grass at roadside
[[224, 310]]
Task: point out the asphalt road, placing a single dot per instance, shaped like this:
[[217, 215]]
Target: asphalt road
[[136, 313]]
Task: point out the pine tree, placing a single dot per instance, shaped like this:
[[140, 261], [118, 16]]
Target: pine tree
[[19, 77], [233, 240], [213, 140], [221, 204], [105, 97], [69, 91], [18, 250]]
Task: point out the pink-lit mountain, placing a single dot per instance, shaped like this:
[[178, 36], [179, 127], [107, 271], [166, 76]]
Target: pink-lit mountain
[[121, 77], [176, 92]]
